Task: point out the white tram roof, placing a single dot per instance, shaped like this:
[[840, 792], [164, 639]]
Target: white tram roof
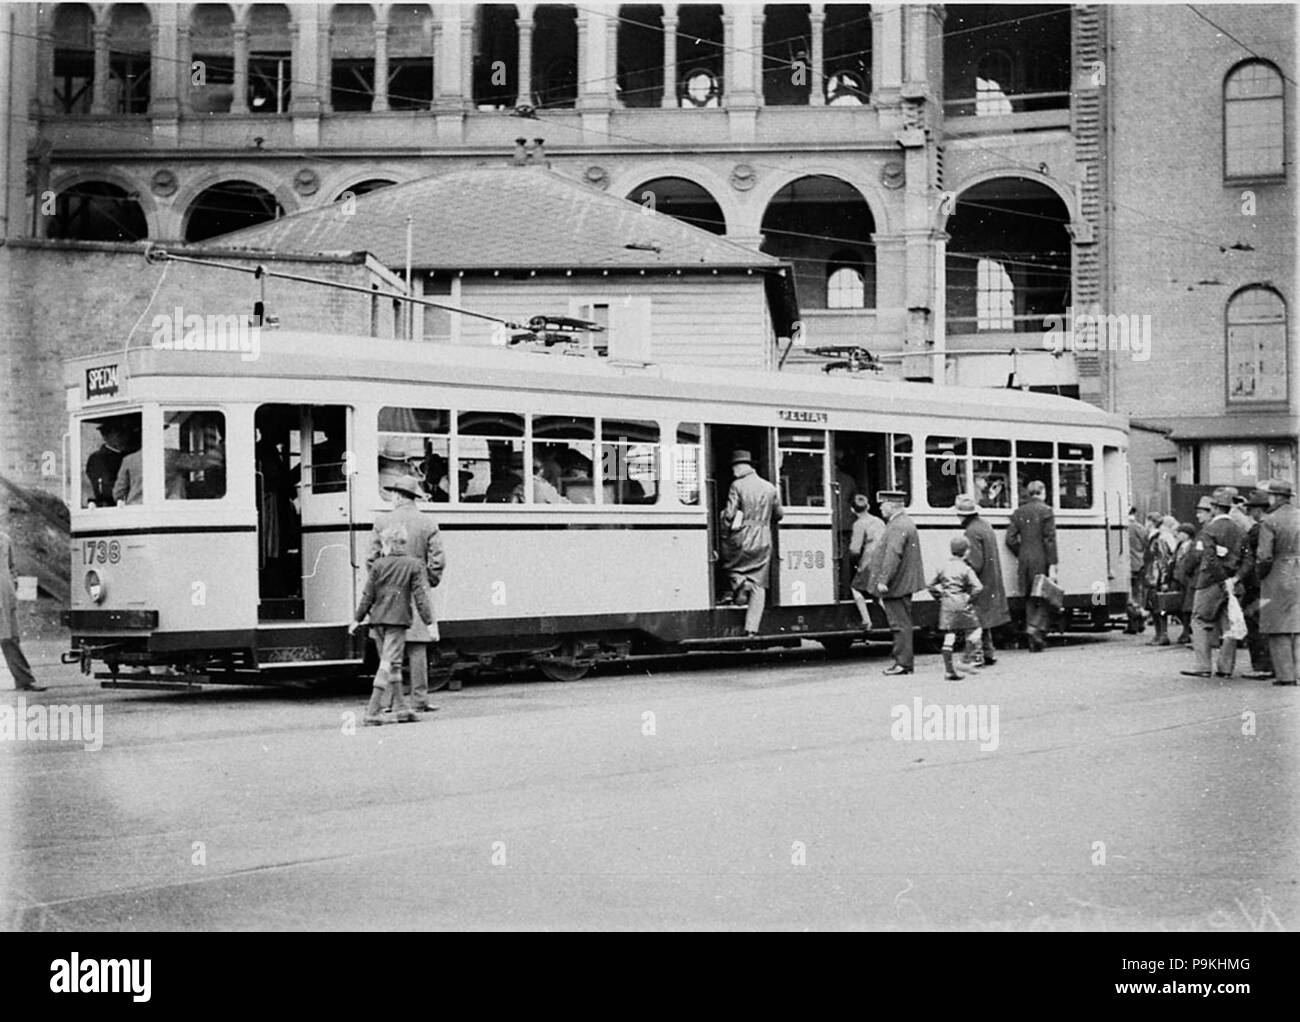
[[320, 358]]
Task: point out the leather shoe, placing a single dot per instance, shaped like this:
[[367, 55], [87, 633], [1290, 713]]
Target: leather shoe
[[1220, 674], [1258, 675], [31, 688], [1284, 683], [1196, 674], [897, 669]]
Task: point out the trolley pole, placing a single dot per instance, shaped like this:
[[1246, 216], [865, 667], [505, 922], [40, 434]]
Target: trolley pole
[[410, 309]]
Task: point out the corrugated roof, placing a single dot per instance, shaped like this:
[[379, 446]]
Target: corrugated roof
[[501, 218]]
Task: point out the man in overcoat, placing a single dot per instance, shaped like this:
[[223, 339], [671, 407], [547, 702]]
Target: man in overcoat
[[24, 680], [753, 504], [1219, 547], [424, 543], [1278, 564], [1031, 536], [1261, 667], [897, 573], [990, 604]]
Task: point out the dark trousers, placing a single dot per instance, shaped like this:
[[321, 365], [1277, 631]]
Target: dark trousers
[[1038, 616], [18, 665], [898, 612], [1260, 660]]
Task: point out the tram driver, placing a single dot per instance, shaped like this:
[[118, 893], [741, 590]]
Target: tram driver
[[120, 436]]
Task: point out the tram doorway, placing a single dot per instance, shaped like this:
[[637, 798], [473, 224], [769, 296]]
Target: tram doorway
[[722, 441], [862, 465], [278, 455]]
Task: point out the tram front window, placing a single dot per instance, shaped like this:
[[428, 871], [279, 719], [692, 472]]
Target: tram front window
[[109, 440], [1075, 470], [194, 456]]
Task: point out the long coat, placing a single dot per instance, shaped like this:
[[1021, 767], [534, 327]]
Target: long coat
[[424, 543], [747, 551], [1031, 536], [896, 561], [990, 604], [8, 591], [1278, 563]]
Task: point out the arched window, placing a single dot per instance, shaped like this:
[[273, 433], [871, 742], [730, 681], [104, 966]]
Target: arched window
[[228, 207], [1254, 125], [270, 59], [1256, 346], [74, 59], [845, 281], [995, 297], [98, 211], [700, 88], [128, 59]]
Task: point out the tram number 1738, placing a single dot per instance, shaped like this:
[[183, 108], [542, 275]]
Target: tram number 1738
[[808, 560], [99, 551]]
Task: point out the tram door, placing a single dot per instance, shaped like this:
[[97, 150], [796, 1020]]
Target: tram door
[[720, 443], [861, 465]]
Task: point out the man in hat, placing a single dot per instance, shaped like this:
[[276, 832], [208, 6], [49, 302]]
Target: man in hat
[[21, 670], [1247, 580], [1237, 512], [1031, 536], [424, 543], [1137, 548], [897, 573], [104, 463], [1278, 564], [1219, 554], [990, 604], [753, 504]]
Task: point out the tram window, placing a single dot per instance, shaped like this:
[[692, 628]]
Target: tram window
[[110, 441], [416, 442], [328, 450], [629, 461], [490, 457], [902, 454], [1033, 462], [803, 467], [945, 469], [992, 469], [1075, 471], [564, 454], [687, 458], [194, 456]]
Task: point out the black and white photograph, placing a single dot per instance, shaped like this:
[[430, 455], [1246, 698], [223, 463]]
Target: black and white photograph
[[796, 467]]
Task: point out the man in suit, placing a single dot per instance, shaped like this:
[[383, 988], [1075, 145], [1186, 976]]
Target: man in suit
[[897, 573], [1137, 549], [753, 504], [990, 604], [21, 670], [1261, 667], [1031, 536], [1278, 564], [424, 543], [1219, 550]]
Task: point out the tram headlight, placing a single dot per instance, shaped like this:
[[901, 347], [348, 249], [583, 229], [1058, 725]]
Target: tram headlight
[[94, 586]]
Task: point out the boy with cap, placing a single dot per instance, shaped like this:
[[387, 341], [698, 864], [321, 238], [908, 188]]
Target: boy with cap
[[1218, 550], [956, 585]]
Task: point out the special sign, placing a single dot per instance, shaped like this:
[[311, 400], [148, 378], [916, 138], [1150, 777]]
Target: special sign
[[799, 415], [101, 382]]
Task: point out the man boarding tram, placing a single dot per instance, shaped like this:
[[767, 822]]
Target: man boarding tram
[[753, 504]]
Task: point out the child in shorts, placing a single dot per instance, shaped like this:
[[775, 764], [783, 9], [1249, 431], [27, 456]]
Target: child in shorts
[[956, 585]]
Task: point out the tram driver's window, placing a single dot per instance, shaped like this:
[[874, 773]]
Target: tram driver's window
[[629, 461], [688, 456], [1033, 463], [490, 457], [992, 469], [564, 453], [194, 455], [416, 442], [902, 457], [110, 441], [1075, 471], [803, 467], [945, 469]]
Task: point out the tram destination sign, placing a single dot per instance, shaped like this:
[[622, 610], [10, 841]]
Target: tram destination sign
[[802, 415], [102, 382]]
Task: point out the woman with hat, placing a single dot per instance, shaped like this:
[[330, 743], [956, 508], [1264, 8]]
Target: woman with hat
[[1278, 564], [424, 543], [753, 504], [990, 604], [1184, 577]]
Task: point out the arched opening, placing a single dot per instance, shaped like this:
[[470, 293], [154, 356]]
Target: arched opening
[[700, 55], [74, 59], [229, 206], [129, 40], [364, 188], [555, 57], [410, 57], [846, 59], [98, 211], [270, 59], [212, 63], [846, 280], [1257, 348], [640, 55], [496, 58], [787, 55], [352, 57], [682, 199], [1254, 121], [1009, 257], [822, 224]]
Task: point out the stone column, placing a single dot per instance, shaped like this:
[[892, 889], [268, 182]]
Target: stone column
[[169, 67], [593, 63], [817, 72], [42, 102], [670, 55], [436, 45], [524, 69], [307, 76], [886, 54], [239, 102], [611, 58], [184, 71], [99, 94], [380, 101]]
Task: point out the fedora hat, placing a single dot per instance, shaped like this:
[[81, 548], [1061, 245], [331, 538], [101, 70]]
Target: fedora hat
[[1223, 496], [1257, 498], [737, 457], [394, 449], [1205, 504], [966, 505], [1278, 488], [891, 496], [409, 485]]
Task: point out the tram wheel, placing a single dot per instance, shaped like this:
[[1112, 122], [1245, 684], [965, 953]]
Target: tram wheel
[[564, 672]]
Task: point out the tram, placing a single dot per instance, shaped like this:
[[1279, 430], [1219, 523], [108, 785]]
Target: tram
[[229, 543]]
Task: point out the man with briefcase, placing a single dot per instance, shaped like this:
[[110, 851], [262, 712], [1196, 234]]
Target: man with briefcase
[[1031, 536]]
